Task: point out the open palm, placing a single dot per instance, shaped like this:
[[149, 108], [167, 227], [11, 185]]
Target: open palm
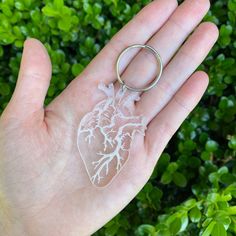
[[44, 186]]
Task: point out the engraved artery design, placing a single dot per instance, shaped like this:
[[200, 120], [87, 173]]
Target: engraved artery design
[[106, 133]]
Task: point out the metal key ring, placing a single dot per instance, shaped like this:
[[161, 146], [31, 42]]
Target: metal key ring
[[159, 62]]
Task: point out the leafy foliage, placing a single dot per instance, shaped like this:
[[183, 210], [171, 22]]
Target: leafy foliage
[[193, 188]]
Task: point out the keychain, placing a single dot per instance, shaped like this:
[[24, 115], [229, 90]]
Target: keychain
[[105, 134]]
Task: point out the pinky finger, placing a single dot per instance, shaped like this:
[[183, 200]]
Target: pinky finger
[[166, 123]]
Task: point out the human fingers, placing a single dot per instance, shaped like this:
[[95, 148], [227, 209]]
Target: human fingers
[[165, 124], [138, 30], [33, 80], [166, 41], [185, 62], [102, 67]]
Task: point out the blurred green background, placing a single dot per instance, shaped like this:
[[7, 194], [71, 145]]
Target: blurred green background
[[193, 188]]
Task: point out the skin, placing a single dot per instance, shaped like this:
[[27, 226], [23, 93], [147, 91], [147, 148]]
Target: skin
[[44, 187]]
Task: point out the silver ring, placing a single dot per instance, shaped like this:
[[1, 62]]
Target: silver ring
[[159, 62]]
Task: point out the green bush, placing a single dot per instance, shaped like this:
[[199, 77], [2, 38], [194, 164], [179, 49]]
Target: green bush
[[193, 188]]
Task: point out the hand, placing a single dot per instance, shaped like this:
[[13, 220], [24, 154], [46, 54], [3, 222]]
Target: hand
[[44, 186]]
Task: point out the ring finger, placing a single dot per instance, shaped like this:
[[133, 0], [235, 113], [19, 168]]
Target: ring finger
[[178, 70]]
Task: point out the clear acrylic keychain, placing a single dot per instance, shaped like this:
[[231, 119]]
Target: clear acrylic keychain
[[105, 134]]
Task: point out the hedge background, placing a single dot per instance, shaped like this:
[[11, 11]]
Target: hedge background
[[193, 188]]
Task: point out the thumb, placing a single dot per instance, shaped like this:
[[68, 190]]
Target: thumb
[[33, 80]]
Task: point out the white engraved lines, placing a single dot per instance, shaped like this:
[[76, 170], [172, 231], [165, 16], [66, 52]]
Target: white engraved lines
[[106, 133]]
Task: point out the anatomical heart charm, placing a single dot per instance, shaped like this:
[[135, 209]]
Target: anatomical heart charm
[[106, 133]]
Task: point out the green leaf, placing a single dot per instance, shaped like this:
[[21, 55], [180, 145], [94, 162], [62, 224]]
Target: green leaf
[[162, 163], [190, 203], [225, 35], [175, 226], [184, 222], [35, 15], [210, 210], [189, 145], [213, 177], [206, 156], [213, 197], [98, 22], [223, 170], [228, 178], [232, 5], [9, 2], [88, 8], [77, 69], [226, 30], [179, 179], [1, 51], [58, 3], [206, 222], [6, 10], [223, 219], [112, 230], [146, 229], [195, 215], [231, 210], [50, 11], [211, 146], [51, 90], [97, 8], [172, 167], [209, 229], [160, 227], [19, 5], [64, 24], [218, 230], [89, 42], [164, 232], [66, 11], [166, 178], [4, 89], [232, 142], [156, 194], [19, 43]]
